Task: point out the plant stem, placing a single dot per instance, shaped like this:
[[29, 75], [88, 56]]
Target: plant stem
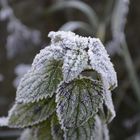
[[130, 67]]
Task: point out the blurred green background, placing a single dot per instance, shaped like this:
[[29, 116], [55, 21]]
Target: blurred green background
[[24, 26]]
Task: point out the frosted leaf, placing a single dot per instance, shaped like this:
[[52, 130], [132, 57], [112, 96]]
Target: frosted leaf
[[3, 121], [39, 83], [74, 63], [93, 129], [83, 132], [24, 115], [100, 62], [56, 130], [47, 54], [77, 101]]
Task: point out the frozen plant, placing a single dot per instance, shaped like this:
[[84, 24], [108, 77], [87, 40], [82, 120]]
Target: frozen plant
[[66, 94]]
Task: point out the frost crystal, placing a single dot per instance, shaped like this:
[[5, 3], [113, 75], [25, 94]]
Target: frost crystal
[[80, 50]]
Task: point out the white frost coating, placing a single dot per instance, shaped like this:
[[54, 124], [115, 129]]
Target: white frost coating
[[80, 50], [3, 121], [109, 104], [68, 40], [74, 63], [48, 53], [100, 62]]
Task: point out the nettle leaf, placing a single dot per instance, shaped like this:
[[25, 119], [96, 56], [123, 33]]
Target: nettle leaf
[[83, 132], [93, 129], [56, 130], [77, 101], [24, 115], [101, 63], [48, 53], [74, 63], [40, 84]]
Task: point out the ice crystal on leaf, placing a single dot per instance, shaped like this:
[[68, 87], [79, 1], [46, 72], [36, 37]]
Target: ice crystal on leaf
[[80, 99], [60, 97], [24, 115], [81, 49]]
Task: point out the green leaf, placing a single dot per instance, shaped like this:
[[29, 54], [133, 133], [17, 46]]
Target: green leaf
[[24, 115], [40, 84], [83, 7], [75, 25], [57, 132], [77, 101], [93, 129], [83, 132]]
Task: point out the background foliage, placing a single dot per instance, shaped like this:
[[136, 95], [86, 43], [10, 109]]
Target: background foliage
[[36, 16]]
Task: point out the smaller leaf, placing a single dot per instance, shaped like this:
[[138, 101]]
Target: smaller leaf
[[39, 83], [74, 63], [56, 130], [24, 115], [77, 101], [83, 132], [93, 129]]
